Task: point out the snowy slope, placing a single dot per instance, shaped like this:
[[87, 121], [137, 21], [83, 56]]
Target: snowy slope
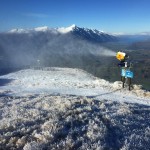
[[68, 81], [64, 108]]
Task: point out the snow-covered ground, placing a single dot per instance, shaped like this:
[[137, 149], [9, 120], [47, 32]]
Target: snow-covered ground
[[64, 108], [68, 81]]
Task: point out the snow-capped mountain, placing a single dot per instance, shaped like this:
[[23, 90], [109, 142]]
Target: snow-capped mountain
[[53, 46], [66, 30], [84, 33], [37, 29], [93, 35], [43, 29]]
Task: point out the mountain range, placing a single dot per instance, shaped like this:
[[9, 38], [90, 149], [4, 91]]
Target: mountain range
[[83, 33]]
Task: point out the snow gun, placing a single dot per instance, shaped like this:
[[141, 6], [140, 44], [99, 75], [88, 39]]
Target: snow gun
[[126, 73], [122, 57]]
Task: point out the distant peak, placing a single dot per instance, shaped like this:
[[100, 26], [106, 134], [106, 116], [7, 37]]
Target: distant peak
[[67, 29], [44, 28], [73, 26], [16, 31], [38, 29]]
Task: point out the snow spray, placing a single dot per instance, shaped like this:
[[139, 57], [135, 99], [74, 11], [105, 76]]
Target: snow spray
[[108, 53], [102, 51]]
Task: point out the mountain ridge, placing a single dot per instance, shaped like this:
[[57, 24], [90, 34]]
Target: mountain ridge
[[46, 28], [84, 33], [71, 28]]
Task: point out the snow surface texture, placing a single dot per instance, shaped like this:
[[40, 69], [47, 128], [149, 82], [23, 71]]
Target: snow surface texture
[[62, 108]]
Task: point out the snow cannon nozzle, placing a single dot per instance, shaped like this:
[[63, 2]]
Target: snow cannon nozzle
[[121, 56]]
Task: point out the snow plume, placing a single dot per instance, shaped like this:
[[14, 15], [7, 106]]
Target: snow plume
[[102, 51], [68, 45], [108, 52]]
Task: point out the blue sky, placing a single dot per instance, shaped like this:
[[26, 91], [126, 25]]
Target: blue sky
[[128, 16]]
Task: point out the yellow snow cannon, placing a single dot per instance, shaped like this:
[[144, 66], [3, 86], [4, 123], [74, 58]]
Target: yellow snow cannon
[[120, 56]]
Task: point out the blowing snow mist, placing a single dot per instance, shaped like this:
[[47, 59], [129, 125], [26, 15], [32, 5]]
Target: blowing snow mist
[[102, 51], [108, 53]]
